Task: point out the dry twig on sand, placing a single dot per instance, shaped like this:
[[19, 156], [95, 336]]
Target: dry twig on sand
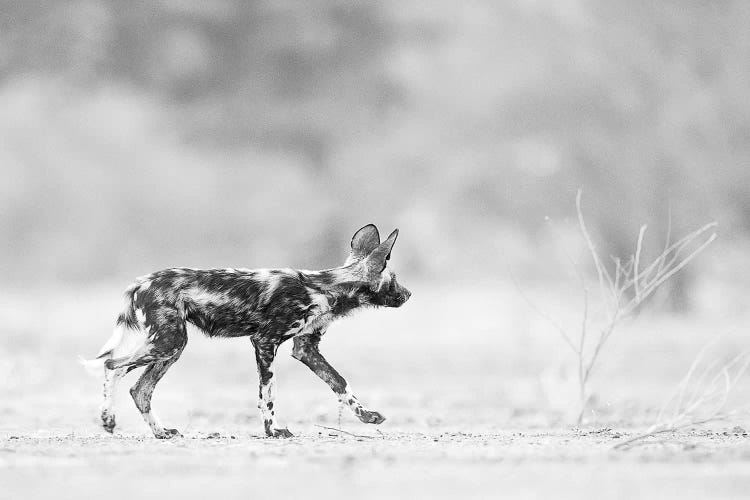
[[701, 397], [344, 432]]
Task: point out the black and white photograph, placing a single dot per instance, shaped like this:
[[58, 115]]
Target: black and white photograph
[[403, 249]]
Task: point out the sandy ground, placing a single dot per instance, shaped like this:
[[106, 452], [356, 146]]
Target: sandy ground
[[477, 395], [394, 464]]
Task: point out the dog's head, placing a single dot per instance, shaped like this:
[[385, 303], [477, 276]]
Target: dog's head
[[369, 261]]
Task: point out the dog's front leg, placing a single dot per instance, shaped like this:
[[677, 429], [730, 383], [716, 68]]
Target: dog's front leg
[[306, 350], [265, 352]]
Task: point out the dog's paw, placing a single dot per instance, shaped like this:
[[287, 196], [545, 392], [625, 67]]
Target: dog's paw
[[167, 434], [108, 422], [371, 417], [279, 433]]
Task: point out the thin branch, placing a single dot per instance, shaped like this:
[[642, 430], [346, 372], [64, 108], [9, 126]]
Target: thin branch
[[664, 277], [603, 336], [544, 315], [669, 233], [674, 250], [637, 258], [573, 263], [584, 320], [601, 270], [344, 432], [581, 344], [645, 435], [683, 385]]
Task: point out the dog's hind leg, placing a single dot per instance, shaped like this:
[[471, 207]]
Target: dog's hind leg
[[111, 378], [142, 392], [163, 350], [306, 350], [111, 364], [142, 357]]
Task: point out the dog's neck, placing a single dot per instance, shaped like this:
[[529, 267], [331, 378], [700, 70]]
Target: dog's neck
[[331, 280], [342, 286]]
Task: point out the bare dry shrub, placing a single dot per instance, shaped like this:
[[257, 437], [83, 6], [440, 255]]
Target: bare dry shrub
[[622, 291]]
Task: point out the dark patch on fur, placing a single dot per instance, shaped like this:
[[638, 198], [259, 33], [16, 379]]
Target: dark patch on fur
[[343, 304], [127, 317]]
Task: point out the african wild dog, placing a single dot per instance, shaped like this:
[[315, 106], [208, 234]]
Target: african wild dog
[[269, 306]]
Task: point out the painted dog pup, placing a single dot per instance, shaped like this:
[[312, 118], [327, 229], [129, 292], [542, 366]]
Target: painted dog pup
[[270, 306]]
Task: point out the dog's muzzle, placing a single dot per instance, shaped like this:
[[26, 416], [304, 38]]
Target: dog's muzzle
[[402, 297]]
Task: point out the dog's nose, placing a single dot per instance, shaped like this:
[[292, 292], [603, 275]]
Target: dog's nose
[[406, 294]]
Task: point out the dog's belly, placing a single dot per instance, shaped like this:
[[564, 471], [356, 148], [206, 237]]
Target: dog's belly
[[216, 322], [225, 321]]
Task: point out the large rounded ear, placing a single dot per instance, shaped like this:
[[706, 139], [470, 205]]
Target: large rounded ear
[[365, 241], [375, 262]]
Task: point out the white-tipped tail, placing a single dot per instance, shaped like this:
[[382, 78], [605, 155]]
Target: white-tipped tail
[[123, 342], [114, 341], [95, 366]]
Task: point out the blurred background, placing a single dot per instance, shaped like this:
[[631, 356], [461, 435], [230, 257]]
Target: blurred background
[[137, 135]]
